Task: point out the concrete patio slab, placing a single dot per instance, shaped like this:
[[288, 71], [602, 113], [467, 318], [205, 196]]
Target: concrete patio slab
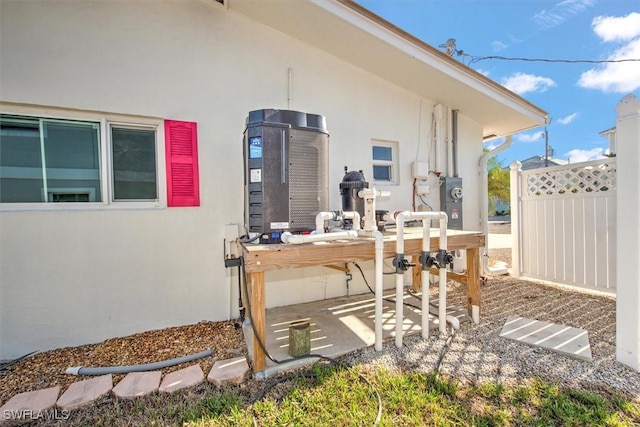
[[562, 339], [183, 378], [83, 392], [137, 384], [228, 371], [28, 405], [342, 325]]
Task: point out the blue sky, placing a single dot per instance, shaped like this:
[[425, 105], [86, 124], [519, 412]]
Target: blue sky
[[580, 98]]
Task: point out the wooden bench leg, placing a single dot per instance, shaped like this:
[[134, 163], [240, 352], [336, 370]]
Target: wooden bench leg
[[256, 297]]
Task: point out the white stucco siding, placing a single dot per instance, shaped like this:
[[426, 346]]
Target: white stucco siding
[[70, 277]]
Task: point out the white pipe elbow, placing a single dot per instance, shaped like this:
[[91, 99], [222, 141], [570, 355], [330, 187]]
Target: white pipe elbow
[[321, 217], [355, 216], [455, 323]]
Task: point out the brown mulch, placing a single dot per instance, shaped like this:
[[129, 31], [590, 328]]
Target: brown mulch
[[47, 369]]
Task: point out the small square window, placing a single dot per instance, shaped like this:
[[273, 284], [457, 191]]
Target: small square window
[[385, 161]]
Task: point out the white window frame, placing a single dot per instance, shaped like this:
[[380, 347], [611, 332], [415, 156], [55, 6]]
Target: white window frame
[[105, 120], [111, 176], [392, 164]]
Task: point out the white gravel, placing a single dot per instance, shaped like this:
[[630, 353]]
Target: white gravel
[[478, 354]]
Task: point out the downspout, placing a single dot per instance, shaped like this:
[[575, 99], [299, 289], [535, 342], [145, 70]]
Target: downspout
[[484, 203]]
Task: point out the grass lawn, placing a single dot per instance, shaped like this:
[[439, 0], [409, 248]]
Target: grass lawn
[[347, 397]]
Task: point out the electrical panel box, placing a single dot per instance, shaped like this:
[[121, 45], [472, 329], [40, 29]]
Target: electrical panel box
[[286, 172], [451, 200]]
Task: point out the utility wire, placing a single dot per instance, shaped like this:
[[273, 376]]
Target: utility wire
[[450, 46], [475, 59]]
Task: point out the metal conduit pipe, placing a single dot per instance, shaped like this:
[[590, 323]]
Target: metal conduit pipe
[[426, 217], [81, 370]]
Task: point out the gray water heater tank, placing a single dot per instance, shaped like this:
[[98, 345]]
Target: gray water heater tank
[[286, 171]]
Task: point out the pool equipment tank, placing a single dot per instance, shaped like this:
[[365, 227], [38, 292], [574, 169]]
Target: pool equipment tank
[[351, 184], [286, 164]]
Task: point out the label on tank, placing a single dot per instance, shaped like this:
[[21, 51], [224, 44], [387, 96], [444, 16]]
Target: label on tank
[[255, 147], [279, 225], [255, 175]]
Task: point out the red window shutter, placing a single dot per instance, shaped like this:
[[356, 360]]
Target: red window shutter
[[181, 147]]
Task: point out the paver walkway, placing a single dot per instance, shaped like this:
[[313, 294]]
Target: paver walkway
[[32, 405]]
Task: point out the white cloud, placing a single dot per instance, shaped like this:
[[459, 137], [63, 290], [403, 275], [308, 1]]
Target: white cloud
[[522, 83], [560, 12], [577, 155], [497, 45], [617, 28], [619, 77], [529, 137], [483, 72], [568, 119]]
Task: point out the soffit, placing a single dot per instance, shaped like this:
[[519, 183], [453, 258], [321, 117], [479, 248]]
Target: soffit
[[352, 33]]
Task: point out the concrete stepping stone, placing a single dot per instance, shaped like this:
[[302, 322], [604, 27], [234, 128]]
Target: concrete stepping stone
[[562, 339], [228, 371], [186, 377], [83, 392], [28, 406], [137, 384]]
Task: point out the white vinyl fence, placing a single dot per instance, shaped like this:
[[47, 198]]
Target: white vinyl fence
[[564, 223]]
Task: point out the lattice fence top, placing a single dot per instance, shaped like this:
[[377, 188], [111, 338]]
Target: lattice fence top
[[577, 178]]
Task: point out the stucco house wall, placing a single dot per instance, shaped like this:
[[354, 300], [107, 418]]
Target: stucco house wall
[[79, 274]]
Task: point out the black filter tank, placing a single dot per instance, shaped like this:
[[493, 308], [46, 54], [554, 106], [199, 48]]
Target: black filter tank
[[351, 184]]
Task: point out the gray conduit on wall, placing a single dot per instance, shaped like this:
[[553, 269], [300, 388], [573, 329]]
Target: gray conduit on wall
[[81, 370]]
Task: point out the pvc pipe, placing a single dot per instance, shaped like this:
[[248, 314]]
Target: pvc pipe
[[81, 370], [321, 217], [355, 216], [426, 245], [484, 203], [296, 239], [455, 323], [379, 257]]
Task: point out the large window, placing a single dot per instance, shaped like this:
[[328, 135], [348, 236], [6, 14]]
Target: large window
[[44, 161], [63, 161], [385, 159]]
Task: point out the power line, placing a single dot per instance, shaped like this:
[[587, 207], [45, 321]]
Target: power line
[[451, 48], [475, 59]]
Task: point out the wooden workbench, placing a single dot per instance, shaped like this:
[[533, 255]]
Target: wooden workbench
[[261, 258]]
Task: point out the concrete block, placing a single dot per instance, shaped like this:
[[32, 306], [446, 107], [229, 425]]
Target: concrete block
[[228, 371], [183, 378], [137, 384], [84, 392], [562, 339], [28, 406]]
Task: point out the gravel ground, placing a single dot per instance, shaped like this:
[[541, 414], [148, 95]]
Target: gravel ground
[[477, 353]]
